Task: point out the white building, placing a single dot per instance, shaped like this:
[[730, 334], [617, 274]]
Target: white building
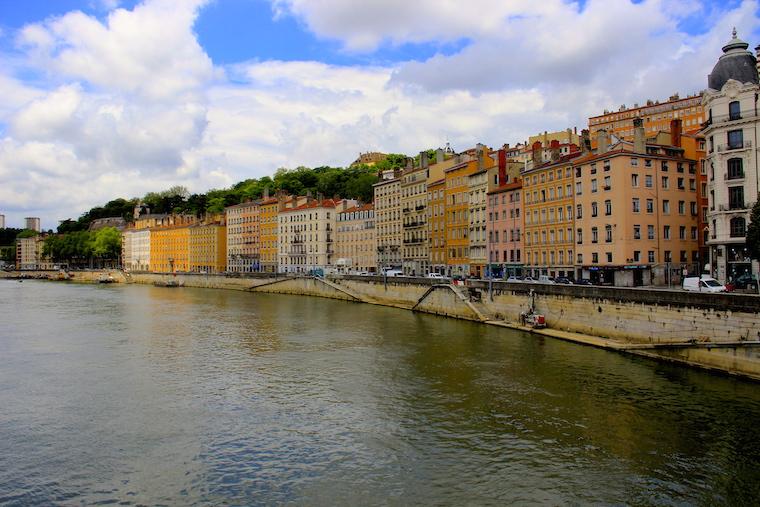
[[388, 228], [732, 135], [32, 223], [135, 249], [306, 235], [2, 221]]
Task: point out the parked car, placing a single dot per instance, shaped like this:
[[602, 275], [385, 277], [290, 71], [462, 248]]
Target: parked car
[[745, 281], [529, 279], [563, 280], [393, 272], [705, 283], [545, 279], [435, 275], [514, 278], [582, 281]]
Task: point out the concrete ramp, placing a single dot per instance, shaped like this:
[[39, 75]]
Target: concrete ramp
[[445, 299], [307, 286]]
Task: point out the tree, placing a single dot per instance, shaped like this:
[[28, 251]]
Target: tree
[[106, 243], [27, 233], [753, 232]]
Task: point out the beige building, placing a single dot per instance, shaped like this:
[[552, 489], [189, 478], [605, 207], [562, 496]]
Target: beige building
[[437, 226], [388, 228], [306, 235], [413, 197], [29, 254], [478, 187], [636, 213], [33, 224], [135, 249], [243, 238], [355, 242]]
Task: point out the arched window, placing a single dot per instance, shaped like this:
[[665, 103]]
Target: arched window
[[734, 110], [735, 169], [738, 227]]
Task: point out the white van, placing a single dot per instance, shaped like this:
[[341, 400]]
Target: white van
[[705, 284]]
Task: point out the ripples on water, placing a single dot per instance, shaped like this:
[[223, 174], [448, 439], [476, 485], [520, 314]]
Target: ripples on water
[[144, 395]]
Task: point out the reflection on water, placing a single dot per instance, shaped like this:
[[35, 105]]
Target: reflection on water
[[146, 395]]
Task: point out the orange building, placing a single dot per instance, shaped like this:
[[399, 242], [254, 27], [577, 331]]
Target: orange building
[[268, 209], [548, 216], [656, 116], [636, 214], [457, 206], [207, 248], [169, 248]]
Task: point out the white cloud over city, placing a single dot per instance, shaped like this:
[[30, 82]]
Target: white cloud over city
[[92, 109]]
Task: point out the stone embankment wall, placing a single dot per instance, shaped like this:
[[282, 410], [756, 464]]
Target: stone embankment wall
[[718, 331]]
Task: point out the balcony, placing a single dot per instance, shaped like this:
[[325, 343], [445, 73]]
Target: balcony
[[736, 146], [420, 207], [725, 118], [734, 176]]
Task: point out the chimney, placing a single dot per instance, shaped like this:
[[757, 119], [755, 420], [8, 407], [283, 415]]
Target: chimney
[[439, 155], [423, 159], [480, 153], [639, 137], [546, 138], [569, 135], [536, 153], [601, 141], [555, 150], [502, 167], [675, 132]]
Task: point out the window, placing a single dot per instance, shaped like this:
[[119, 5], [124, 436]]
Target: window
[[681, 207], [593, 186], [666, 232], [693, 233], [668, 256], [664, 166], [595, 258], [608, 207], [648, 181], [735, 169], [634, 162], [682, 232], [648, 162], [692, 184], [650, 231], [578, 188], [608, 233], [734, 110], [607, 182], [636, 256], [593, 168], [634, 180], [579, 234], [609, 256], [650, 205], [666, 206], [738, 227], [636, 205], [650, 256], [579, 211], [735, 139], [736, 197], [594, 235], [636, 232], [580, 258], [680, 184], [665, 182], [593, 209]]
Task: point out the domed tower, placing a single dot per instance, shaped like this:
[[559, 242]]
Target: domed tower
[[736, 63], [732, 134]]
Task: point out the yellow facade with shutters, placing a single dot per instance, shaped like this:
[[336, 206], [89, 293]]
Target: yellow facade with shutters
[[169, 249], [207, 248]]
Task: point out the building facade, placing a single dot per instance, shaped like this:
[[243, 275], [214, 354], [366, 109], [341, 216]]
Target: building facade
[[415, 257], [243, 238], [355, 241], [169, 248], [268, 209], [388, 228], [207, 247], [33, 224], [2, 221], [548, 190], [731, 131], [135, 249], [478, 253], [29, 254], [437, 226], [504, 230], [636, 215]]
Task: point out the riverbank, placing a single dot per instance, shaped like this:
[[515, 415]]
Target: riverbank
[[719, 332]]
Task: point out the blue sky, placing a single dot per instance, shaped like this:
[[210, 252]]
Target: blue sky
[[114, 98]]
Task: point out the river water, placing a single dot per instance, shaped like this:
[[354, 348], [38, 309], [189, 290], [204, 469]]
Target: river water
[[146, 395]]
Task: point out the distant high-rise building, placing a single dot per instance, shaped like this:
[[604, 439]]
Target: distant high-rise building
[[32, 223], [2, 221]]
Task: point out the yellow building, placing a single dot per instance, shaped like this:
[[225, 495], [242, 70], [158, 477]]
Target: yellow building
[[207, 248], [169, 249], [268, 209], [457, 206], [548, 216]]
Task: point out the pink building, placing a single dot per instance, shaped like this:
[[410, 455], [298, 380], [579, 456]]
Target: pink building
[[504, 230]]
